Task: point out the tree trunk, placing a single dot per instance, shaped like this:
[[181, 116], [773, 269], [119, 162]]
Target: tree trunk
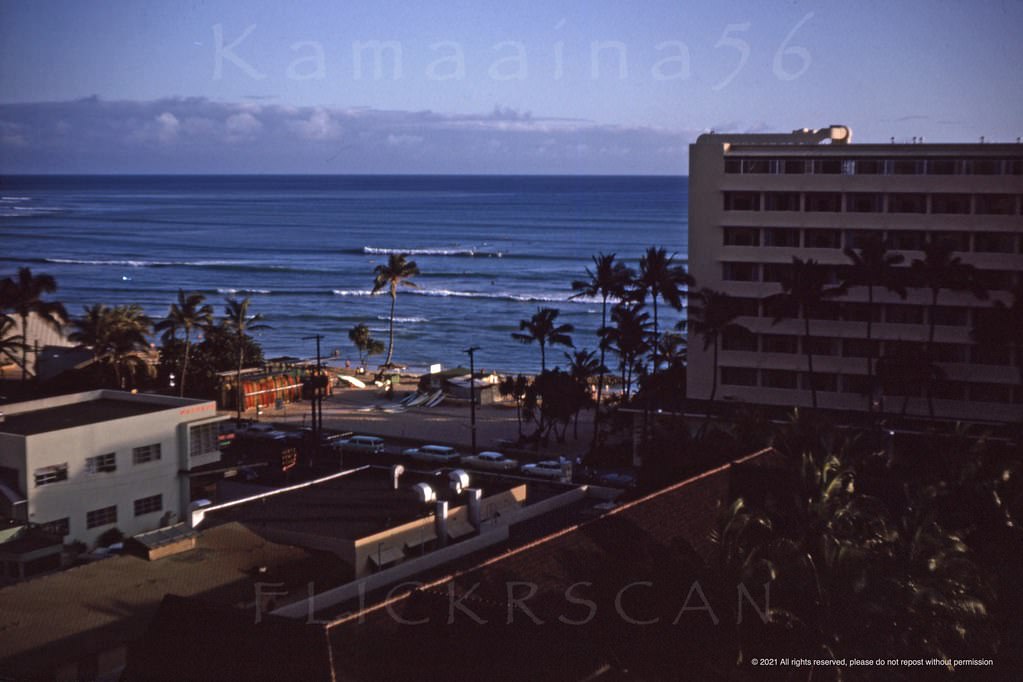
[[543, 358], [714, 379], [390, 333], [24, 350], [184, 365], [809, 358], [930, 355], [657, 336], [870, 349], [238, 378], [600, 385]]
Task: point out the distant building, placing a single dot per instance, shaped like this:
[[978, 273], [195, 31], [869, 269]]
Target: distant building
[[757, 200], [84, 463]]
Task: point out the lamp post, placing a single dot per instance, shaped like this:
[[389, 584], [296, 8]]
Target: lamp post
[[471, 350]]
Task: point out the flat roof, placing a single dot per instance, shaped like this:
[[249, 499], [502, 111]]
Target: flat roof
[[76, 414]]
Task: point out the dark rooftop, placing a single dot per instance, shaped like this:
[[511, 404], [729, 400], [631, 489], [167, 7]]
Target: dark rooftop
[[77, 414]]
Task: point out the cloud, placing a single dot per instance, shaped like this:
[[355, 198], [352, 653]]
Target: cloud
[[197, 135]]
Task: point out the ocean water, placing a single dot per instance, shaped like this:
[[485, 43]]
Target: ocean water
[[491, 250]]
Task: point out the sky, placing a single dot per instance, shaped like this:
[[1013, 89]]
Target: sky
[[560, 86]]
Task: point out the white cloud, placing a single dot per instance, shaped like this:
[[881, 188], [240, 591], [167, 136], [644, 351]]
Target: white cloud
[[319, 126], [167, 127], [242, 125]]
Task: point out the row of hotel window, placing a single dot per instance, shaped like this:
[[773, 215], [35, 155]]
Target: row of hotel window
[[900, 240], [873, 202], [100, 464], [990, 280], [846, 166], [963, 353], [105, 516], [858, 384]]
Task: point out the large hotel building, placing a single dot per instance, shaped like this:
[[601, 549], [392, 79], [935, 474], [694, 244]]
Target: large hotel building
[[757, 200]]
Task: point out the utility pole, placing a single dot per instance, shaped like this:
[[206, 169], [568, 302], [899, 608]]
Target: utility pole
[[471, 350], [319, 385]]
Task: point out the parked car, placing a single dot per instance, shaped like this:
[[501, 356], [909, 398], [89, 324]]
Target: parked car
[[261, 431], [371, 445], [492, 461], [616, 479], [439, 454], [550, 468]]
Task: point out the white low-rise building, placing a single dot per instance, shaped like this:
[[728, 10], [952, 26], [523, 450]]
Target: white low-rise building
[[84, 463]]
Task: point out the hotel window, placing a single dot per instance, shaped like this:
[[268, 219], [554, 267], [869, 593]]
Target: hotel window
[[856, 239], [741, 236], [908, 167], [822, 381], [869, 167], [738, 376], [991, 393], [749, 307], [991, 355], [740, 272], [907, 203], [779, 343], [59, 527], [756, 166], [960, 240], [742, 201], [101, 517], [950, 390], [779, 378], [203, 438], [733, 166], [994, 242], [984, 166], [793, 166], [943, 167], [739, 340], [1014, 166], [826, 202], [907, 240], [856, 383], [950, 203], [904, 314], [822, 239], [996, 204], [994, 280], [777, 272], [50, 474], [821, 345], [859, 348], [951, 316], [951, 352], [827, 166], [101, 464], [779, 309], [861, 312], [864, 202], [146, 453], [148, 505], [781, 201], [781, 236]]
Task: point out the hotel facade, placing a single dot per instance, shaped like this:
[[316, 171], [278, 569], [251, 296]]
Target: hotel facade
[[758, 200]]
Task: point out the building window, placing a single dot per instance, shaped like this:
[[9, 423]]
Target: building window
[[984, 166], [960, 240], [780, 308], [793, 166], [740, 340], [869, 167], [864, 202], [829, 202], [748, 307], [781, 201], [907, 240], [950, 352], [861, 312], [101, 464], [148, 505], [859, 348], [822, 239], [203, 438], [777, 272], [994, 242], [779, 378], [991, 355], [827, 309], [907, 203], [950, 203], [904, 314], [733, 166], [951, 316], [996, 204], [60, 527], [991, 393], [51, 474], [908, 167], [820, 345], [742, 201], [856, 239], [101, 517], [781, 236], [822, 381], [741, 236], [738, 376], [827, 166], [950, 390], [146, 453], [856, 383], [943, 167], [739, 272], [995, 280], [779, 343]]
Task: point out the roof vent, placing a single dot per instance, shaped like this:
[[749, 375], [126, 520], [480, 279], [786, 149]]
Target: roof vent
[[424, 492], [396, 471], [458, 480]]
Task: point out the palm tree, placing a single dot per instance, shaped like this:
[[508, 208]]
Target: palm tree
[[583, 366], [23, 295], [398, 271], [660, 278], [10, 344], [1001, 326], [516, 388], [938, 270], [628, 338], [907, 370], [873, 266], [187, 314], [542, 327], [608, 279], [364, 343], [115, 336], [803, 290], [239, 322], [712, 316]]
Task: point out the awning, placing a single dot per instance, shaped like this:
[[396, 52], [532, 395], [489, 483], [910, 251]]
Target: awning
[[386, 556], [421, 536], [457, 528]]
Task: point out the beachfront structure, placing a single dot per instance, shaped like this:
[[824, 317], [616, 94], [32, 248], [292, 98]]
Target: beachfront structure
[[757, 200], [84, 463]]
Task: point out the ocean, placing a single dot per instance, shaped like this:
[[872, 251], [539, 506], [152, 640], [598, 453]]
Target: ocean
[[491, 250]]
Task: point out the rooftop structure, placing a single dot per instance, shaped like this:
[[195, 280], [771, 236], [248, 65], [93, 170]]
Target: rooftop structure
[[756, 201]]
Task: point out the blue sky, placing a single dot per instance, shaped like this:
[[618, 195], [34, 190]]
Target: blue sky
[[517, 87]]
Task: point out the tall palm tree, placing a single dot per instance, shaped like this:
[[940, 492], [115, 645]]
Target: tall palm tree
[[239, 322], [608, 279], [712, 316], [397, 271], [627, 337], [804, 289], [660, 278], [23, 295], [583, 366], [10, 344], [542, 327], [188, 313], [872, 266], [907, 370], [115, 336], [938, 270]]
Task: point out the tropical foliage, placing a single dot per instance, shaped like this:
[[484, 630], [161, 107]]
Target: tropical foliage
[[543, 328], [22, 296]]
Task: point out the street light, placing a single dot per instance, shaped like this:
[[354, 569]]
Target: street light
[[471, 350]]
